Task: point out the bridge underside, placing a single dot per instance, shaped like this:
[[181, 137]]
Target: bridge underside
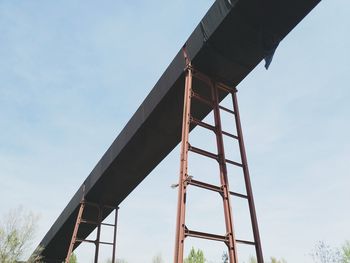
[[232, 38]]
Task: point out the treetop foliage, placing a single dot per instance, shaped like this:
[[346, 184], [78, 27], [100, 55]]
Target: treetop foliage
[[195, 256], [17, 230]]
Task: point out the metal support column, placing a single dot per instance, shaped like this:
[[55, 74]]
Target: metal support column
[[185, 180], [181, 206], [115, 234], [253, 217], [75, 231], [231, 244], [98, 234]]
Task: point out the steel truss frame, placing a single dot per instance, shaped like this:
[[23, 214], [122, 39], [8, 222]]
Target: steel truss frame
[[185, 180], [98, 223]]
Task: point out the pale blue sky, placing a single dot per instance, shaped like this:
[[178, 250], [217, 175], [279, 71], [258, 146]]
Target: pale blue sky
[[72, 73]]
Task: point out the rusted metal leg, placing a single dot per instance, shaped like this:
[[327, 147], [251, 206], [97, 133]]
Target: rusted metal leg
[[224, 180], [181, 207], [115, 234], [249, 190], [75, 231], [98, 234]]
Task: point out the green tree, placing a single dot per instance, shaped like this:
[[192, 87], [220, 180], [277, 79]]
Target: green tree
[[252, 260], [346, 252], [36, 256], [224, 257], [195, 256], [17, 230], [323, 253], [73, 258], [118, 260], [275, 260]]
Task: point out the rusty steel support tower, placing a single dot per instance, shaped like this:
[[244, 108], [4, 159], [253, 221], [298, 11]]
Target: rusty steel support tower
[[185, 180], [98, 223]]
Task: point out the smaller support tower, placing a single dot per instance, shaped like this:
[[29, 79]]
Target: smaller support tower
[[98, 223]]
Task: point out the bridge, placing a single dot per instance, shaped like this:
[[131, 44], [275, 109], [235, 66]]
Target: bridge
[[233, 37]]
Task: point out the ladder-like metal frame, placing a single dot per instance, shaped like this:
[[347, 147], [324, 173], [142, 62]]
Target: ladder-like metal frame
[[98, 224], [181, 230]]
